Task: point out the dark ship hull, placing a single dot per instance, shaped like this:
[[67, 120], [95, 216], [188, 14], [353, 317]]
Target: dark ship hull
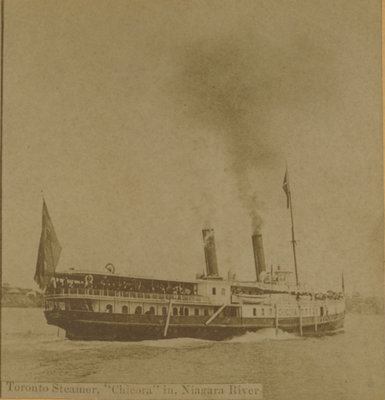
[[120, 327]]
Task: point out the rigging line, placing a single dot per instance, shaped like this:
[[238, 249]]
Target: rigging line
[[1, 153]]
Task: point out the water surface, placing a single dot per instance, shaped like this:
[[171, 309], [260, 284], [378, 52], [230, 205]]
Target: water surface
[[347, 365]]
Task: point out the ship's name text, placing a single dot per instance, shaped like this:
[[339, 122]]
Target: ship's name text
[[128, 391]]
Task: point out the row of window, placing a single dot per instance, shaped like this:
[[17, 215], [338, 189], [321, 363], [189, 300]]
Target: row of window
[[175, 311], [285, 312], [184, 311]]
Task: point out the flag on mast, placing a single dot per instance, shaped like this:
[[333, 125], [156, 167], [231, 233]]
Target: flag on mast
[[286, 188], [49, 251]]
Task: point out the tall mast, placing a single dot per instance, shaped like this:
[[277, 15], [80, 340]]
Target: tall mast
[[286, 188], [1, 138]]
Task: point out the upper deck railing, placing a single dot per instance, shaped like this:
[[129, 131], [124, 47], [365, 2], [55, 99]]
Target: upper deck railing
[[84, 292]]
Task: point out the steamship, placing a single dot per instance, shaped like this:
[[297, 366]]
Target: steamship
[[110, 306]]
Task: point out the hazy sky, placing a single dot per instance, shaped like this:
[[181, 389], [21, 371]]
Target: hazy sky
[[146, 121]]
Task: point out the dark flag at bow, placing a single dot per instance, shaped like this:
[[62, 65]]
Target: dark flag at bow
[[286, 188], [49, 251]]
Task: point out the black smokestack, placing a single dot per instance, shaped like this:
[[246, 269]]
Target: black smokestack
[[210, 253], [259, 255]]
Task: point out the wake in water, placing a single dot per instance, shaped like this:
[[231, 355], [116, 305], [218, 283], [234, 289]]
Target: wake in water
[[264, 334]]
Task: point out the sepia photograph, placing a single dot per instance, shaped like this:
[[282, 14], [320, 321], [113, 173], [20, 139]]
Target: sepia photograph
[[192, 200]]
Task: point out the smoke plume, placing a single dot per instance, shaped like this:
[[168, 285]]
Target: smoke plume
[[233, 89]]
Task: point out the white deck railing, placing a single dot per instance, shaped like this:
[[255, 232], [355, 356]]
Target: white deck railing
[[123, 294]]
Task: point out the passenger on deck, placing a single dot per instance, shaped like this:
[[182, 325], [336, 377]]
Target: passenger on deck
[[51, 286]]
